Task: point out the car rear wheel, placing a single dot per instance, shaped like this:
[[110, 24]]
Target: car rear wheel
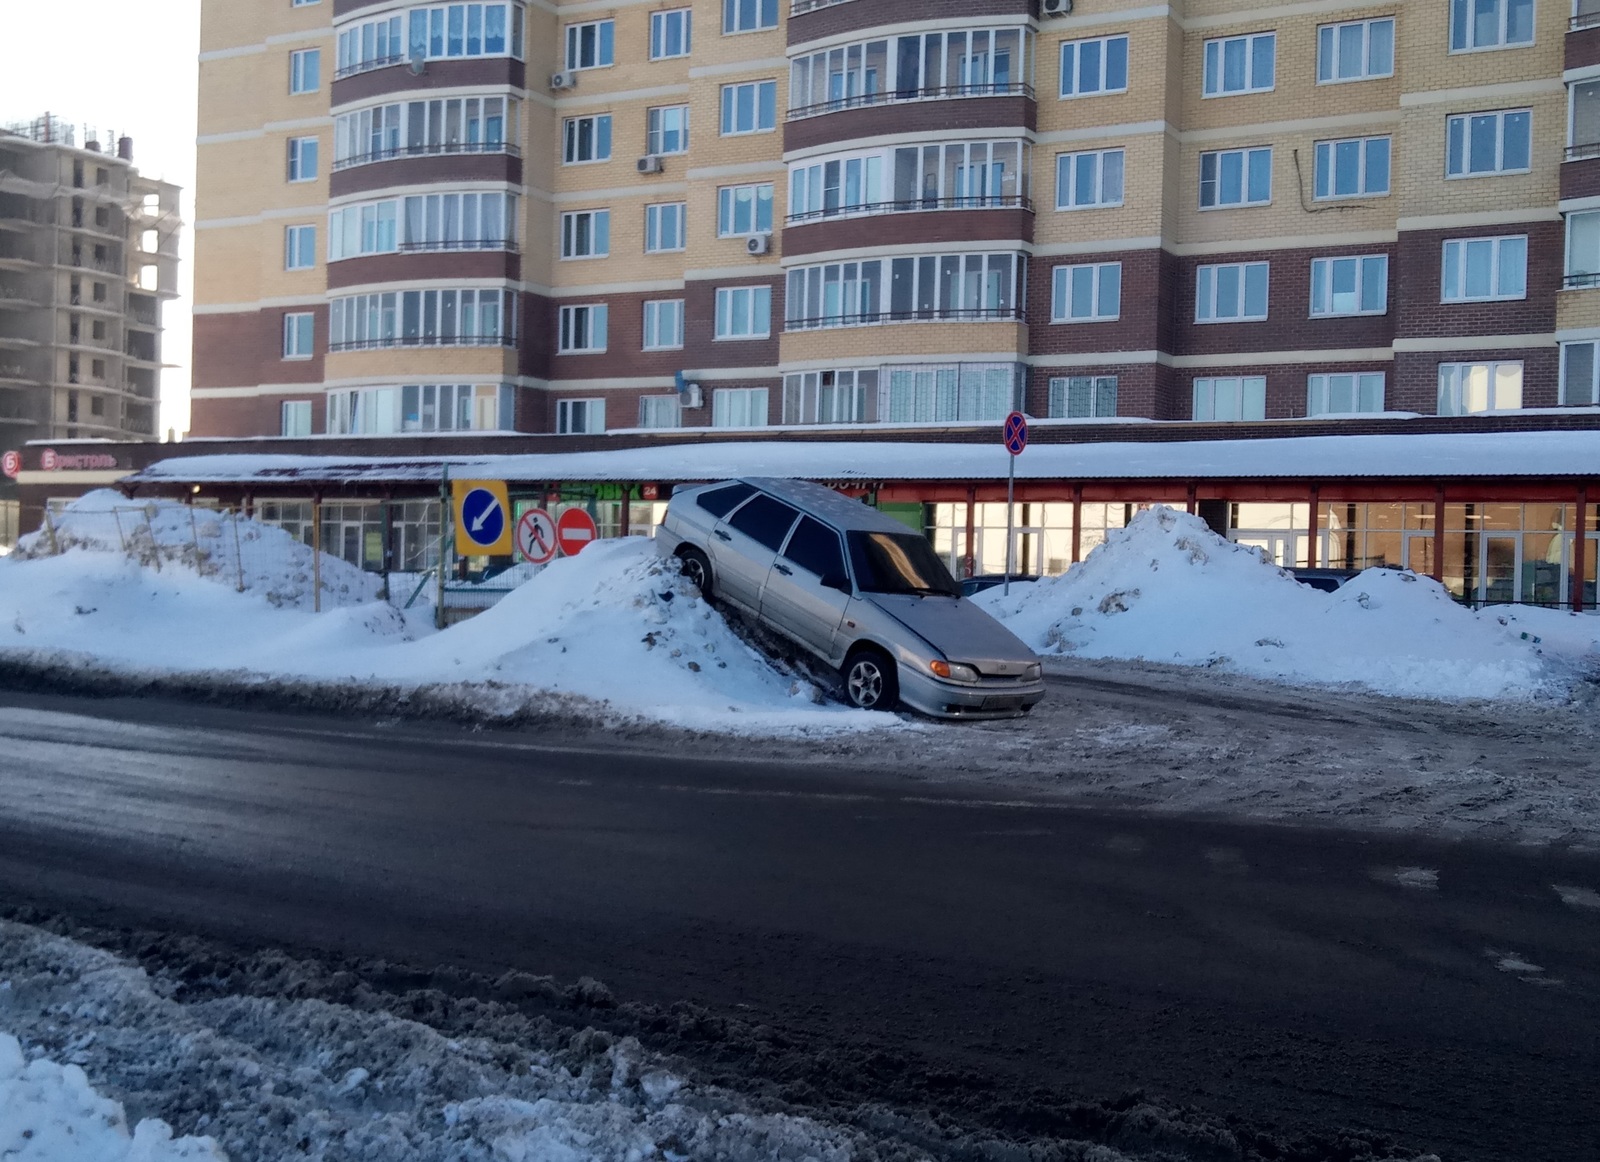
[[869, 680], [694, 565]]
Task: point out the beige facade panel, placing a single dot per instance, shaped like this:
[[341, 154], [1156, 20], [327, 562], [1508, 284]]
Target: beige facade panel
[[246, 177], [424, 364], [934, 342], [1144, 183], [1578, 310], [229, 26], [250, 91], [1147, 97], [1421, 182]]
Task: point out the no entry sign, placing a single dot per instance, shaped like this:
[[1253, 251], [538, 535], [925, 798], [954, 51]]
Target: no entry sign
[[575, 529], [536, 536], [1016, 433]]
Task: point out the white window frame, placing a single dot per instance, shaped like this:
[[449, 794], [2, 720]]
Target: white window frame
[[1212, 63], [604, 45], [731, 109], [1453, 384], [576, 243], [1103, 281], [593, 410], [1324, 272], [1581, 270], [1328, 47], [1585, 394], [1462, 41], [571, 139], [1058, 402], [303, 3], [656, 132], [1248, 159], [1067, 169], [669, 219], [294, 245], [749, 307], [1249, 390], [299, 335], [585, 333], [659, 34], [1320, 388], [300, 148], [1208, 278], [728, 209], [660, 315], [1073, 67], [1497, 269], [660, 411], [1325, 162], [737, 16], [1462, 123], [294, 418], [753, 401], [305, 61]]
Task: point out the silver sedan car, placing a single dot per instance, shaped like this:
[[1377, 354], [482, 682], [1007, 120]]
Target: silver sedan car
[[856, 589]]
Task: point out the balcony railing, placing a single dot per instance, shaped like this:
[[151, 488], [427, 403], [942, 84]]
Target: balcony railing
[[456, 147], [369, 66], [505, 244], [897, 96], [1581, 281], [930, 315], [420, 341], [801, 7], [1583, 150], [1586, 16], [913, 206]]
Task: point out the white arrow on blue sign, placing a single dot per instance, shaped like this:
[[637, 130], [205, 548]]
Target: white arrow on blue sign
[[483, 518]]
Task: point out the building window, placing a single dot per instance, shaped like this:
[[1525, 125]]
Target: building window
[[1355, 51], [953, 175], [751, 107], [667, 129], [586, 139], [1090, 68], [583, 328], [423, 222], [744, 210], [1465, 388], [1350, 286], [1088, 180], [299, 247], [294, 417], [1091, 293], [423, 407], [744, 312], [580, 417], [830, 397], [423, 318], [1582, 267], [748, 15], [1240, 64], [1479, 24], [1487, 143], [1083, 397], [670, 34], [1485, 269], [950, 392], [302, 159], [305, 70], [1231, 293], [1583, 120], [739, 407], [664, 227], [660, 411], [586, 234], [912, 67], [1580, 372], [1235, 177], [1344, 394], [591, 45], [1356, 167], [435, 32], [1232, 398], [299, 334], [663, 325], [456, 125], [964, 287]]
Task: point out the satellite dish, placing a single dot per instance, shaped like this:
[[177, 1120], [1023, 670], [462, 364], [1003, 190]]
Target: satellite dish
[[418, 61]]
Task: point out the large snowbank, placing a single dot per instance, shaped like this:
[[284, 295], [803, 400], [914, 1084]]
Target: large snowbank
[[1169, 589]]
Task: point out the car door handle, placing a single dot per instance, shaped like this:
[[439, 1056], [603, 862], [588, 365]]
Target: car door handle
[[784, 569], [721, 535]]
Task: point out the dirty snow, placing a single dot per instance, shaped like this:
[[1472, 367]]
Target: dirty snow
[[1169, 589]]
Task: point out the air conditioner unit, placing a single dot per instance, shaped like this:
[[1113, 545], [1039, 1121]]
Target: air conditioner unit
[[692, 397], [1054, 7], [650, 163], [566, 80], [758, 244]]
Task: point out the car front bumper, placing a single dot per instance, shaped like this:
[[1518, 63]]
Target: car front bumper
[[991, 698]]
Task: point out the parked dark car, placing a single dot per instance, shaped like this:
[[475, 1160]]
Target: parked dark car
[[978, 582], [1327, 580]]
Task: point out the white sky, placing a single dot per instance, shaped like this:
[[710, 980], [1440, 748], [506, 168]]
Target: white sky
[[130, 67]]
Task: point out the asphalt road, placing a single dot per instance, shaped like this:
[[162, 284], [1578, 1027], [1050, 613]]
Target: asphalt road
[[1298, 980]]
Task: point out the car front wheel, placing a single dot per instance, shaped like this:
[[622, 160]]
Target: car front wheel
[[694, 565], [869, 680]]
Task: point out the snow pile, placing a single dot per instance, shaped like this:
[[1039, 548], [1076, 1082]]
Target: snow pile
[[1169, 589], [50, 1113], [163, 534]]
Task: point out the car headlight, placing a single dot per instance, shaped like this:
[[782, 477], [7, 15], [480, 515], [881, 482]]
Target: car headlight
[[1031, 674], [955, 671]]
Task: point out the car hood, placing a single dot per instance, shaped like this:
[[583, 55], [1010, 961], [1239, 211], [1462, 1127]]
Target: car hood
[[959, 630]]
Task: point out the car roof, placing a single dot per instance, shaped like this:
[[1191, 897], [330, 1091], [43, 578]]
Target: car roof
[[824, 503]]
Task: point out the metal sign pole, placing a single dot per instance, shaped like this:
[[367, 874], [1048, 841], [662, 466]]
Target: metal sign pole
[[1011, 493], [445, 515]]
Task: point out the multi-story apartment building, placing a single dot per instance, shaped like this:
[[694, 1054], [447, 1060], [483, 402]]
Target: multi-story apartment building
[[584, 217], [88, 255]]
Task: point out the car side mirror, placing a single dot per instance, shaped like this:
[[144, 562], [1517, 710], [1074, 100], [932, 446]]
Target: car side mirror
[[836, 581]]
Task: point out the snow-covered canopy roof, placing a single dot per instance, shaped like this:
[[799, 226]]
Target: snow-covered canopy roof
[[1425, 455]]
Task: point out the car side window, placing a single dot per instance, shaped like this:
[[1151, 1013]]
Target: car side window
[[719, 502], [765, 521], [816, 549]]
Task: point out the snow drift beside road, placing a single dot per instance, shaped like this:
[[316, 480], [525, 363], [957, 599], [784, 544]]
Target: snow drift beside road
[[1169, 589]]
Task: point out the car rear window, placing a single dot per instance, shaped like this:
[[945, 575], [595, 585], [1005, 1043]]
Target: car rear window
[[816, 549], [899, 563], [765, 521], [719, 502]]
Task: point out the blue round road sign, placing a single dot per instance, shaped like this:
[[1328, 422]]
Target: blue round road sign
[[483, 517], [1016, 433]]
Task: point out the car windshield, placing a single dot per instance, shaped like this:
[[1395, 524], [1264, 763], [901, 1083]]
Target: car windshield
[[899, 563]]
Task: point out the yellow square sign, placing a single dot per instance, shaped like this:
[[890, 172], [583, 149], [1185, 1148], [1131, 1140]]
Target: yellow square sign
[[483, 518]]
